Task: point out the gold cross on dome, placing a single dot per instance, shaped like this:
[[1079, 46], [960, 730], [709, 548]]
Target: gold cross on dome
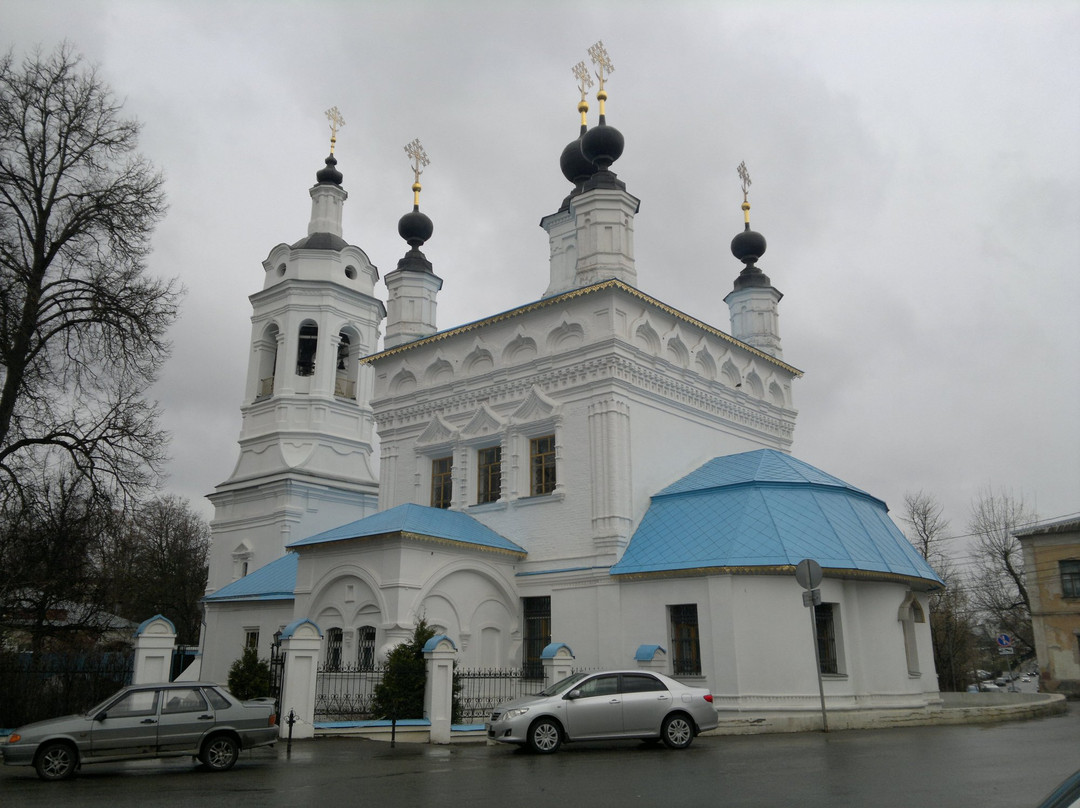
[[418, 155], [336, 122], [581, 73], [744, 175], [600, 58]]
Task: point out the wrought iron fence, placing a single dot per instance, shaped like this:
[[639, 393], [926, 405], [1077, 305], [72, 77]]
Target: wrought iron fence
[[345, 693], [35, 687], [478, 691]]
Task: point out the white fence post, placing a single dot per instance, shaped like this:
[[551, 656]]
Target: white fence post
[[155, 640], [439, 653], [301, 642], [556, 658], [651, 657]]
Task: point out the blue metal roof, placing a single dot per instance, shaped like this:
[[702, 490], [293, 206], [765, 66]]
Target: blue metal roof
[[765, 508], [275, 581], [419, 520]]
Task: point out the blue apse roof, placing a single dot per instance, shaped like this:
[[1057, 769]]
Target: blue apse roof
[[275, 581], [437, 523], [766, 508]]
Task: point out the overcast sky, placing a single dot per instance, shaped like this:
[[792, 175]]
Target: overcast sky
[[915, 166]]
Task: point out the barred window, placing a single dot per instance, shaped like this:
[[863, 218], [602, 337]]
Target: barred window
[[1070, 578], [825, 620], [489, 465], [442, 481], [333, 648], [685, 645], [365, 647], [536, 635], [542, 465]]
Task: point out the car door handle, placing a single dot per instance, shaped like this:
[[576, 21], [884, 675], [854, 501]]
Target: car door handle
[[206, 717], [148, 721]]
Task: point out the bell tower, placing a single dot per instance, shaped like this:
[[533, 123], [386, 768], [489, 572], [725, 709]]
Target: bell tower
[[307, 432]]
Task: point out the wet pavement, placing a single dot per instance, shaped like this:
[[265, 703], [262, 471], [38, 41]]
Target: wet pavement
[[1001, 765]]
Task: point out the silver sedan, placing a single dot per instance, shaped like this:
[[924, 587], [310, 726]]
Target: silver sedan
[[145, 721], [605, 705]]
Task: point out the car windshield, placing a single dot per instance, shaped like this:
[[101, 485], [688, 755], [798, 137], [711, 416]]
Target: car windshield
[[562, 685]]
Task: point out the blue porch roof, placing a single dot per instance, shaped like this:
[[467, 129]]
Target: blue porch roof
[[421, 521], [275, 581], [762, 509]]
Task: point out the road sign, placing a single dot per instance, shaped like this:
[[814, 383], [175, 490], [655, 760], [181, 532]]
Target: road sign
[[811, 597], [1006, 651], [1004, 640], [808, 573]]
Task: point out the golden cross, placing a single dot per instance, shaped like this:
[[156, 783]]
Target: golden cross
[[744, 175], [581, 73], [418, 155], [336, 122], [600, 58]]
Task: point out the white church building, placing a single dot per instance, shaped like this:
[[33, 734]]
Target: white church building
[[593, 467]]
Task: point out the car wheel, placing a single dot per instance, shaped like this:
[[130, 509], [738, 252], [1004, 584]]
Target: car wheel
[[56, 761], [219, 753], [677, 731], [545, 736]]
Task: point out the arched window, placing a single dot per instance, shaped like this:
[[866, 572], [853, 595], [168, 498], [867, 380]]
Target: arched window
[[346, 366], [267, 349], [305, 353]]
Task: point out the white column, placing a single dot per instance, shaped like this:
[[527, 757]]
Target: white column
[[439, 653], [301, 642], [155, 640], [556, 659]]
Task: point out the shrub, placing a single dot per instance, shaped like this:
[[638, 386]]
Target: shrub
[[400, 694], [249, 676]]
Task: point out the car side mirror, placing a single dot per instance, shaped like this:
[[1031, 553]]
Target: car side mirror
[[101, 716], [574, 694]]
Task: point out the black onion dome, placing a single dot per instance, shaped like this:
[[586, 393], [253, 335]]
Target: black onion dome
[[574, 165], [602, 145], [415, 228], [748, 246], [330, 174]]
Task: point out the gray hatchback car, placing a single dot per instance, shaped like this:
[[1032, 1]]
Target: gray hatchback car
[[146, 721], [606, 705]]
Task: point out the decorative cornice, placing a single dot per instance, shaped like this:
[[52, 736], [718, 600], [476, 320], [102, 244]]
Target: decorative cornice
[[609, 367], [418, 537], [575, 293]]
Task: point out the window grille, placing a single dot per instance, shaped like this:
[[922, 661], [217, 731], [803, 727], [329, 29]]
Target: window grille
[[365, 647], [824, 616], [536, 635], [1070, 578], [686, 648]]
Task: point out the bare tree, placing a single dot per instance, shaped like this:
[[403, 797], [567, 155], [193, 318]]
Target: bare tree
[[157, 563], [926, 525], [82, 323], [998, 588]]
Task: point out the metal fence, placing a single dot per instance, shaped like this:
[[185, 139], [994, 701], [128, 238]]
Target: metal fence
[[35, 687], [478, 691], [344, 693]]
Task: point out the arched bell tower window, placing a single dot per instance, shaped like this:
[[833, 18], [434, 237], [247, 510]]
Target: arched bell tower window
[[267, 349], [305, 354], [346, 368]]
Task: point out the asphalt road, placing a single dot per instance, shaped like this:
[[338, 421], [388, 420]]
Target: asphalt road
[[1002, 765]]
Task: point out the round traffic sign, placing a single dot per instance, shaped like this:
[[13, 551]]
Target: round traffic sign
[[808, 573]]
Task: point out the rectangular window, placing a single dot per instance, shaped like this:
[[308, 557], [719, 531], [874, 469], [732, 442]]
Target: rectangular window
[[536, 635], [541, 465], [489, 465], [686, 649], [825, 620], [1070, 578], [334, 638], [251, 638], [365, 647], [442, 485]]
